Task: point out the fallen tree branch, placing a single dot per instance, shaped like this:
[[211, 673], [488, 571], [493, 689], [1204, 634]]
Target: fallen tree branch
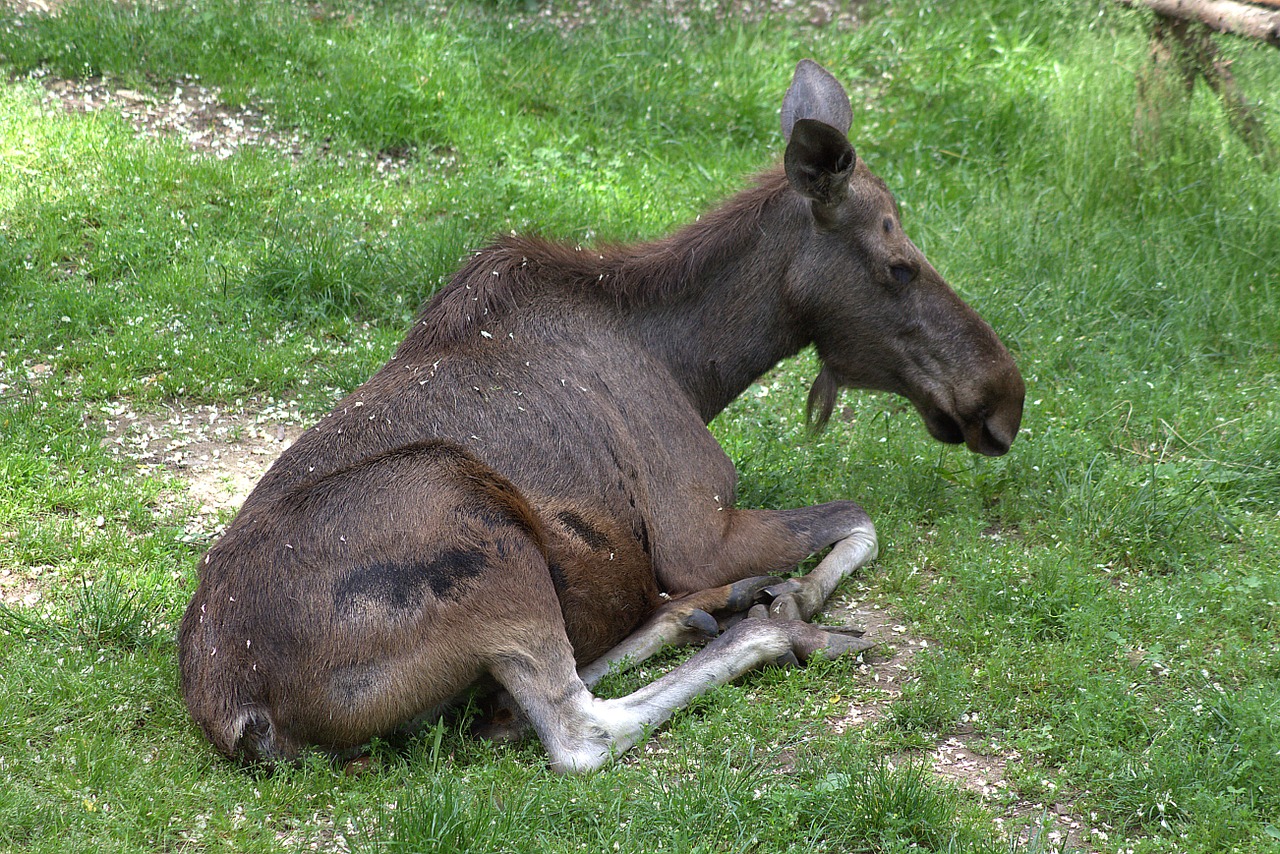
[[1223, 16]]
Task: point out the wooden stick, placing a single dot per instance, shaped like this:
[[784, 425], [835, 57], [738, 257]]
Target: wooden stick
[[1224, 16]]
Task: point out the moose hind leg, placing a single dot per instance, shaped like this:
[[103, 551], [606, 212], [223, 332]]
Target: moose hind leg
[[688, 620], [582, 733]]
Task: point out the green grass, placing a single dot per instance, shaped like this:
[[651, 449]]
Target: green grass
[[1102, 601]]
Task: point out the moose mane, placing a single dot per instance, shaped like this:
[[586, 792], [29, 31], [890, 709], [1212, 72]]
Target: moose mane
[[498, 279]]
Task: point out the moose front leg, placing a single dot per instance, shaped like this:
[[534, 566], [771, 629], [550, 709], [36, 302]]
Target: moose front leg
[[801, 597], [756, 543]]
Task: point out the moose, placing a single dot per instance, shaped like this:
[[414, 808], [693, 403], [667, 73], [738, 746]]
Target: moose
[[527, 495]]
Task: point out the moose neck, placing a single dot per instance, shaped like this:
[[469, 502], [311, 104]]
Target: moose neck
[[722, 322], [706, 301]]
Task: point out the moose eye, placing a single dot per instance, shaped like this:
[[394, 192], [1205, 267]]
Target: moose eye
[[902, 274]]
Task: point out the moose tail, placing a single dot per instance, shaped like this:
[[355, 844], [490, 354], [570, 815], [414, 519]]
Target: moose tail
[[251, 738], [226, 694]]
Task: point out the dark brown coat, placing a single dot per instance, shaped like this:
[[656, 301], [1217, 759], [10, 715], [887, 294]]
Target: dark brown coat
[[528, 485]]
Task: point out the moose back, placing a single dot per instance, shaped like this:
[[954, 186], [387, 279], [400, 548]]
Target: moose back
[[527, 494]]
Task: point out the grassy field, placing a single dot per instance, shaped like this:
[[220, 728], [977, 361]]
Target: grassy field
[[1100, 606]]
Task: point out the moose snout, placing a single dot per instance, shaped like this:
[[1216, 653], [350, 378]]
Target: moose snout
[[985, 417], [997, 420]]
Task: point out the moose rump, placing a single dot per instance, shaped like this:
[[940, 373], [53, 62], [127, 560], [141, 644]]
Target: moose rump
[[527, 495], [357, 566]]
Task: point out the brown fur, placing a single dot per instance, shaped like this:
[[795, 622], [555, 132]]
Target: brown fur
[[514, 271], [529, 478]]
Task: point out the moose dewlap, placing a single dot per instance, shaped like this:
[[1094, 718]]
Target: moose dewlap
[[527, 493]]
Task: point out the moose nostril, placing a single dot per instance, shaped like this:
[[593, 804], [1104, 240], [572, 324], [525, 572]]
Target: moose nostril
[[993, 442]]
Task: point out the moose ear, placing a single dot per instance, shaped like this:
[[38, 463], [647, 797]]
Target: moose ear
[[819, 162], [815, 94]]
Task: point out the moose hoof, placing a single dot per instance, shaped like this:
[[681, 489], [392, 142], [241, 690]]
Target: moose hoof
[[786, 607], [839, 640], [831, 642], [787, 659], [793, 599], [701, 623], [749, 591]]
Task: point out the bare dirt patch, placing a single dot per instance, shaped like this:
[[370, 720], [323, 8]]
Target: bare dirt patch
[[981, 768], [185, 109], [188, 110], [197, 115], [24, 587], [888, 666], [34, 7], [815, 13], [218, 455]]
